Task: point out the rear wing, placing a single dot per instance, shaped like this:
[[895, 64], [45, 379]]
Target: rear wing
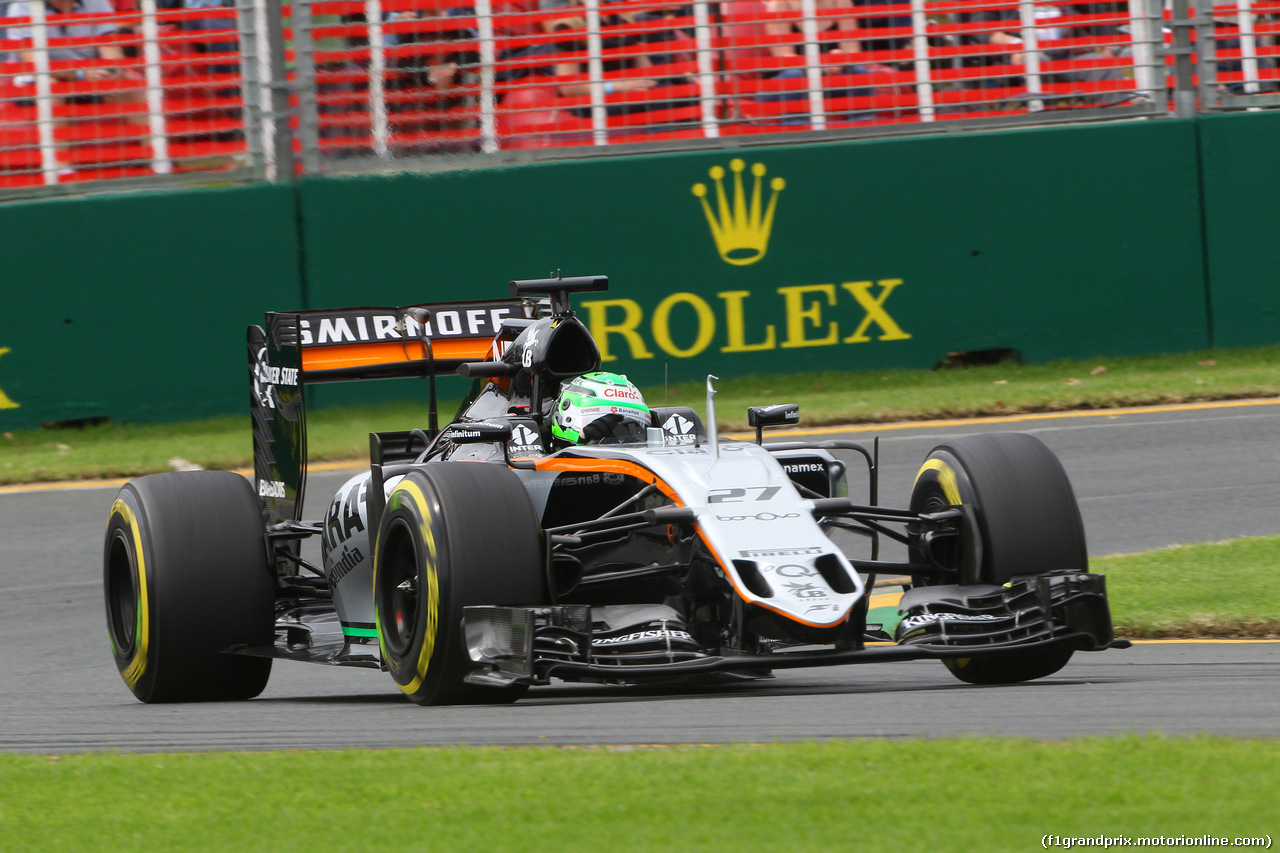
[[300, 348]]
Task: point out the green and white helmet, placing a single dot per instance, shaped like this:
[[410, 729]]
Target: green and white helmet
[[599, 408]]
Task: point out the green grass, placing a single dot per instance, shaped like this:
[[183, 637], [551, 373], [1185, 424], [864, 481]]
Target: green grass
[[126, 450], [959, 794], [131, 450], [839, 398], [1225, 589], [963, 794]]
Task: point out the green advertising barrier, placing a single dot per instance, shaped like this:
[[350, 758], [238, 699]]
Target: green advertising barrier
[[1078, 241], [1242, 225], [1068, 242], [134, 307]]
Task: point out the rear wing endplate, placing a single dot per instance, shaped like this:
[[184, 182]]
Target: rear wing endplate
[[300, 348]]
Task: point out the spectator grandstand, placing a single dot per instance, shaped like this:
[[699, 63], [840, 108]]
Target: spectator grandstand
[[184, 90], [144, 100]]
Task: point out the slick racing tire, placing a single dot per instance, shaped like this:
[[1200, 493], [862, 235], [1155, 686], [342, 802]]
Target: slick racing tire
[[1020, 517], [185, 578], [454, 534]]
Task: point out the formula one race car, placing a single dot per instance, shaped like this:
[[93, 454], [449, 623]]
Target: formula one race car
[[559, 528]]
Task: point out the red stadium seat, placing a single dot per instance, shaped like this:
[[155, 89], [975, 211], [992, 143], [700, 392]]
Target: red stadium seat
[[529, 118]]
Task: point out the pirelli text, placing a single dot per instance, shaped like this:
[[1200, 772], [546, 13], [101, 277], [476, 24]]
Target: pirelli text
[[1067, 842]]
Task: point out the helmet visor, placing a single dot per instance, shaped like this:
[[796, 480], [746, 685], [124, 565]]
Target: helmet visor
[[613, 429]]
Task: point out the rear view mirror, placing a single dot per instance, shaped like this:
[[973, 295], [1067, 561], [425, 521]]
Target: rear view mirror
[[782, 414]]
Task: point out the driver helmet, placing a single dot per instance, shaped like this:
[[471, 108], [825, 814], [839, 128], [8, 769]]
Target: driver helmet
[[599, 408]]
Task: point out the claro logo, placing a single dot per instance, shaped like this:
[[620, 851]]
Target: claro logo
[[621, 393], [812, 315], [5, 402]]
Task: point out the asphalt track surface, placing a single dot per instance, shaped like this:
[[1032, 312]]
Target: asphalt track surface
[[1144, 479]]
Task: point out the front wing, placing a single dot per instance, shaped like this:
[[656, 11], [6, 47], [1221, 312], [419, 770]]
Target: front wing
[[533, 644]]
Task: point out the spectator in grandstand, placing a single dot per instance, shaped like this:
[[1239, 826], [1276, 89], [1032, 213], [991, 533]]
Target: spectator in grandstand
[[211, 23], [838, 55], [446, 63], [456, 66], [516, 23], [1228, 39], [635, 43], [94, 62], [417, 71], [1007, 31], [53, 10], [871, 43], [426, 70], [511, 21], [127, 7]]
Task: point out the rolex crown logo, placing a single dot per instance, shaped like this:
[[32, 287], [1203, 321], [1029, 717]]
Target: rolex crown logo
[[741, 228]]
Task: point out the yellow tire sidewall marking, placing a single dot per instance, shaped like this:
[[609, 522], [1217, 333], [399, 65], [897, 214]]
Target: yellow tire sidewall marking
[[412, 490], [136, 667], [946, 479]]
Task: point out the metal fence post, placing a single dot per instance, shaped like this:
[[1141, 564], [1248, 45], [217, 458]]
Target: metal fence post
[[706, 69], [920, 54], [488, 97], [1248, 46], [251, 44], [380, 128], [304, 85], [1206, 64], [278, 135], [1184, 92], [44, 94], [1148, 55], [160, 162], [813, 63], [1031, 54], [595, 74]]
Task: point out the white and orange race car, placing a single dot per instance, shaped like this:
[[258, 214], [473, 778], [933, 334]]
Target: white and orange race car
[[474, 560]]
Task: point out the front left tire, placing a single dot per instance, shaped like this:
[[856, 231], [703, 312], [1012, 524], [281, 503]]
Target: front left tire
[[1020, 518], [454, 534]]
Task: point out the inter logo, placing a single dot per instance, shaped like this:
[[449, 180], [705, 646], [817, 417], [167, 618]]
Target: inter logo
[[679, 430], [740, 227], [678, 425], [524, 442], [523, 435]]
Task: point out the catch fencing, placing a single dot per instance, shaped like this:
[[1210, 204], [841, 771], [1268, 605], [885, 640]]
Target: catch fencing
[[135, 91], [124, 90]]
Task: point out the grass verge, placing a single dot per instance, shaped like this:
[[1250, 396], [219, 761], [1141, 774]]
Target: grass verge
[[127, 450], [1000, 389], [1225, 589], [1000, 794]]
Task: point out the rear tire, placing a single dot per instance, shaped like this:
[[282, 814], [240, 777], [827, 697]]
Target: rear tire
[[1020, 518], [186, 577], [454, 534]]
